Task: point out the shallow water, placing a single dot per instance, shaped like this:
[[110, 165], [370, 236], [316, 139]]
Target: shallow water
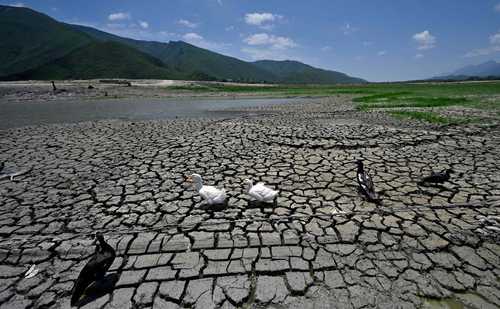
[[69, 111]]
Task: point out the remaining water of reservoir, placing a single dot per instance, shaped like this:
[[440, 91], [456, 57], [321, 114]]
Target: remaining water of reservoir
[[18, 114]]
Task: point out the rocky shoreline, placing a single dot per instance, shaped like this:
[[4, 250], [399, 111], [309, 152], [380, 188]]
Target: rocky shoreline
[[323, 246], [41, 91]]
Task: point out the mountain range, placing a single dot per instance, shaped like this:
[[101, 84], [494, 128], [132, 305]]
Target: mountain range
[[483, 70], [35, 46]]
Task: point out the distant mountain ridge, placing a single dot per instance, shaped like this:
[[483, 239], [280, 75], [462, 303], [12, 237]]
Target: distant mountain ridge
[[482, 70], [35, 46], [295, 72], [188, 58]]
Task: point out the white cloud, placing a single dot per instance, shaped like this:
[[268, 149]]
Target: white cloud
[[382, 53], [229, 28], [483, 51], [264, 53], [200, 41], [219, 2], [367, 43], [167, 34], [267, 46], [187, 23], [258, 19], [348, 29], [141, 34], [191, 36], [418, 56], [276, 42], [18, 5], [118, 20], [495, 38], [425, 40], [493, 48], [129, 31], [326, 48], [497, 7], [257, 39], [268, 27], [119, 16]]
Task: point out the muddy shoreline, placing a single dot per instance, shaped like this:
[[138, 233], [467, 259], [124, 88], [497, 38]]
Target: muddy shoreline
[[41, 91]]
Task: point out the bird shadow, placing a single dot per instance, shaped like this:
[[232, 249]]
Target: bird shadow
[[258, 204], [99, 288], [214, 207], [436, 186]]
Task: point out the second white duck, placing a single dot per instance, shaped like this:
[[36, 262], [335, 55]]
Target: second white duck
[[260, 192], [210, 194]]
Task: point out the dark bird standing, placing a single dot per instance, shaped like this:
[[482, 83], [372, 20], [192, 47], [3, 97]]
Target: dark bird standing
[[366, 184], [437, 177], [95, 269]]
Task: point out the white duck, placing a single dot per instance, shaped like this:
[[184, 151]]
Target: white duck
[[260, 192], [210, 194]]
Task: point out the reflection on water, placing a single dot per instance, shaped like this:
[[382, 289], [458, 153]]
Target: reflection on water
[[33, 113]]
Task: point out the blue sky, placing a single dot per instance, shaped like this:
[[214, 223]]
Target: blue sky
[[378, 40]]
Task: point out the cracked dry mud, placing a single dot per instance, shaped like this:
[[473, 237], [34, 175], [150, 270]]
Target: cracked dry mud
[[121, 177]]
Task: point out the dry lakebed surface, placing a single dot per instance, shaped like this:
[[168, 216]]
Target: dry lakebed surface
[[321, 246]]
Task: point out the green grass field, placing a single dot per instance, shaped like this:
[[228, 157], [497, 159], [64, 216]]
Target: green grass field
[[433, 117], [478, 89], [480, 95]]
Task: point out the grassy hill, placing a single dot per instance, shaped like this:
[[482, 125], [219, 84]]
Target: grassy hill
[[39, 47], [35, 46], [295, 72], [102, 60], [188, 58], [30, 39]]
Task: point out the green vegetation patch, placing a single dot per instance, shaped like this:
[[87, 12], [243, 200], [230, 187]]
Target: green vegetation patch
[[486, 104], [278, 90], [388, 95], [382, 97], [432, 117], [392, 96], [393, 102], [445, 303], [197, 88]]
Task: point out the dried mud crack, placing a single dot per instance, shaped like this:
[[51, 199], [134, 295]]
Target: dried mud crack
[[127, 179]]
